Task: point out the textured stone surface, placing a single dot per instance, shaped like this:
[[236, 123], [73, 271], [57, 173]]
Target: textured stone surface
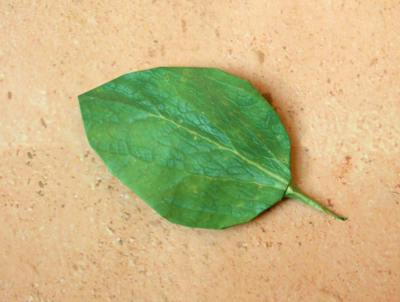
[[71, 232]]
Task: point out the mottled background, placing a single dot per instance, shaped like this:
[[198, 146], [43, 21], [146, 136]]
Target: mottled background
[[69, 231]]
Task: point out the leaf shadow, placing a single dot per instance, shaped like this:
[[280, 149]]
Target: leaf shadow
[[287, 120], [295, 156]]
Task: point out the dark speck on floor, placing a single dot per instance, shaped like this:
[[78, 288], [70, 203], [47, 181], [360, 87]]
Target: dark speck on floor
[[183, 25], [42, 121], [260, 56]]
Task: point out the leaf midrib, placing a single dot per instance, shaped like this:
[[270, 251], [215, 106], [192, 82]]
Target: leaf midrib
[[222, 147]]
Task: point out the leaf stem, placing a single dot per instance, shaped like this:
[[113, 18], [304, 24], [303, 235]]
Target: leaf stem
[[296, 194]]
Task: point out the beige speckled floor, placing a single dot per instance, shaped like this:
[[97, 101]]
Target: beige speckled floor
[[70, 232]]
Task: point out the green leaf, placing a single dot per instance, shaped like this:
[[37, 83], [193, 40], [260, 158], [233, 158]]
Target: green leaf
[[202, 147]]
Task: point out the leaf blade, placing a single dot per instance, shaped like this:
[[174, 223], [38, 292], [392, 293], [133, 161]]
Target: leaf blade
[[117, 118]]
